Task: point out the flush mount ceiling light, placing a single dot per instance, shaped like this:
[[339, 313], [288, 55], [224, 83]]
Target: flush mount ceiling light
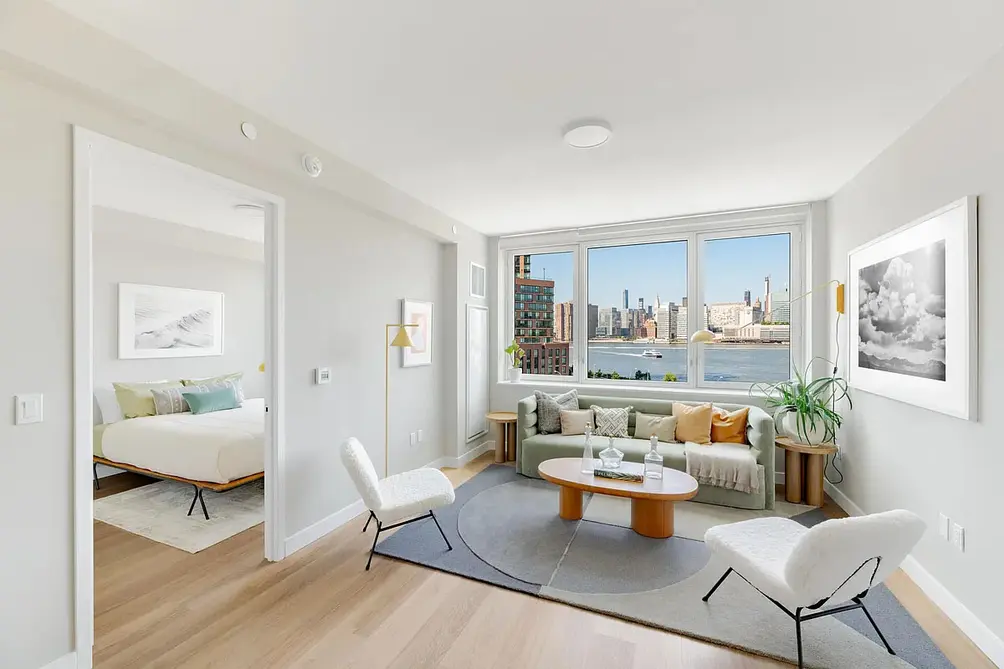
[[587, 134]]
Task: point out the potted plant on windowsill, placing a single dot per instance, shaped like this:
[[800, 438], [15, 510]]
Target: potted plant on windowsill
[[806, 410], [515, 355]]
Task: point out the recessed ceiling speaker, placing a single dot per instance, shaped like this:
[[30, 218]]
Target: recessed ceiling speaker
[[312, 165], [587, 134]]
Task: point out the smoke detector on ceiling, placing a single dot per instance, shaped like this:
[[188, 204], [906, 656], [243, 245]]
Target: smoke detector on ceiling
[[312, 165], [587, 134]]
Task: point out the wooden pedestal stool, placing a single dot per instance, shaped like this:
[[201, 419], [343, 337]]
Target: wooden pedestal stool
[[505, 435]]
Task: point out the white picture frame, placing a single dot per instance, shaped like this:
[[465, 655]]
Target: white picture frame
[[905, 341], [420, 314], [478, 366], [479, 281], [165, 322]]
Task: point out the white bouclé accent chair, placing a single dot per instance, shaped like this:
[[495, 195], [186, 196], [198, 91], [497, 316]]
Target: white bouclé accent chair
[[833, 564], [398, 497]]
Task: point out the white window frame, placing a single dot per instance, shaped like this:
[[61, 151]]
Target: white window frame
[[793, 220]]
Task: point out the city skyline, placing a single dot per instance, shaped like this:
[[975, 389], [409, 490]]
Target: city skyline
[[612, 270]]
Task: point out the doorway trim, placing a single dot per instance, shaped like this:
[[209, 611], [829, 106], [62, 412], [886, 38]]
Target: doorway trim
[[83, 375]]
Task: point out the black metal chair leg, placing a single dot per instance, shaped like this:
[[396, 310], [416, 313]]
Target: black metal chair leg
[[373, 547], [202, 500], [877, 630], [194, 500], [97, 484], [436, 521], [720, 581], [798, 634], [366, 526]]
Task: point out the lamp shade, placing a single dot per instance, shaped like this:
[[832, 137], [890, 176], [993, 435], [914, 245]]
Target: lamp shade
[[702, 337], [401, 339]]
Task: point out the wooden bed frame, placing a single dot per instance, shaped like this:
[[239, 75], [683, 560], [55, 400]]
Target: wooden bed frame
[[199, 485]]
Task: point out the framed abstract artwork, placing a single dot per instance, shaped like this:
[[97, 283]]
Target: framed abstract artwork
[[163, 322], [420, 314], [916, 335]]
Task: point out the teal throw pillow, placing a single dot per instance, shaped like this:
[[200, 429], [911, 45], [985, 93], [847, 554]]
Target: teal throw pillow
[[218, 399]]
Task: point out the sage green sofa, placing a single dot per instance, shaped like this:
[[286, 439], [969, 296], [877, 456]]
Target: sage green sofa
[[533, 448]]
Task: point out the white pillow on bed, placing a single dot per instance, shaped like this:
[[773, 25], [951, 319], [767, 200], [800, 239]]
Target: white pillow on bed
[[108, 405]]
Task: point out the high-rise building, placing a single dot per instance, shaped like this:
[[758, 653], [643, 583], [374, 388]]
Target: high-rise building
[[626, 305], [746, 298], [666, 321], [723, 314], [563, 320], [681, 323], [650, 330], [641, 304], [609, 322], [683, 303], [766, 299], [592, 320], [522, 267], [780, 307]]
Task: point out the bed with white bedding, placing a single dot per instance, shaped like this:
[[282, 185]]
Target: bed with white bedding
[[217, 447], [217, 451]]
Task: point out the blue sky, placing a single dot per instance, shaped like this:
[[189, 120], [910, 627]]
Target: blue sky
[[731, 267]]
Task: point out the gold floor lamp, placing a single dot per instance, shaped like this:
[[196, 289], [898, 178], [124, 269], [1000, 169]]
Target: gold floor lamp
[[401, 340]]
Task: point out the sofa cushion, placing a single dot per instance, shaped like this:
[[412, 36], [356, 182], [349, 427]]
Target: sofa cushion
[[575, 421], [729, 427], [549, 409], [611, 422], [693, 423], [663, 427]]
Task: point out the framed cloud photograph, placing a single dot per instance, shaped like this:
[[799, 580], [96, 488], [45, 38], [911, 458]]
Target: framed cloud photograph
[[915, 338], [420, 314], [163, 322]]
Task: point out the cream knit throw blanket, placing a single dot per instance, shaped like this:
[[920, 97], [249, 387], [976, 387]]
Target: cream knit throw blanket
[[729, 466]]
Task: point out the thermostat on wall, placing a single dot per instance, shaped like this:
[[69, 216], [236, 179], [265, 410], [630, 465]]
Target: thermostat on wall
[[322, 375]]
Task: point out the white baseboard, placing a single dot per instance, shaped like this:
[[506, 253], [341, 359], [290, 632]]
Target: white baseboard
[[309, 535], [981, 635], [68, 661], [462, 460]]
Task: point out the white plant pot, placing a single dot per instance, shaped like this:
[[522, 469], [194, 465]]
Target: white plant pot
[[515, 374], [789, 426]]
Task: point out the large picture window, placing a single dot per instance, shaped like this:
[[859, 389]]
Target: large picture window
[[637, 312], [620, 304]]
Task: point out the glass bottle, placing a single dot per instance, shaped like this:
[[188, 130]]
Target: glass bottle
[[653, 460], [588, 464]]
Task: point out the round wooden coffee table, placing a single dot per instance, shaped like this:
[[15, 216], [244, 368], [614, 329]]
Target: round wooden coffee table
[[651, 500]]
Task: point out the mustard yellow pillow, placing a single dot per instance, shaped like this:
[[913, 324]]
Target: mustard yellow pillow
[[729, 428], [136, 400], [693, 423]]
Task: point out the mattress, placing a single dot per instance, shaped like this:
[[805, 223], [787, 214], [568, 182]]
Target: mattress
[[218, 447], [99, 435]]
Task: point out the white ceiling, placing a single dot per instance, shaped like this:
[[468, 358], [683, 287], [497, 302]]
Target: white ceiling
[[130, 179], [715, 104]]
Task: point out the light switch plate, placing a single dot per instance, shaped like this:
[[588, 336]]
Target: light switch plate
[[959, 537], [944, 527], [28, 409], [420, 436]]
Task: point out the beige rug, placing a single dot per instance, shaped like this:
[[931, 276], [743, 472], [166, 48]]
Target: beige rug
[[157, 511]]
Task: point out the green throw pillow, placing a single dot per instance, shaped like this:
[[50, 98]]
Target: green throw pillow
[[219, 399]]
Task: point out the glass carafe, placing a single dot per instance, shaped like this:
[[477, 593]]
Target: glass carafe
[[588, 464], [653, 460]]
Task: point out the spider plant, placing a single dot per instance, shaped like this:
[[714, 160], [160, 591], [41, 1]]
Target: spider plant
[[812, 402]]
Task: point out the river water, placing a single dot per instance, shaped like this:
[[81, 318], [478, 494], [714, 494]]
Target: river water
[[746, 363]]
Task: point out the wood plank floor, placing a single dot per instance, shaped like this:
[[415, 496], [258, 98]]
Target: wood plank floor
[[158, 607]]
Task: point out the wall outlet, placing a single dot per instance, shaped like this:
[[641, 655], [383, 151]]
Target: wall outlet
[[413, 438], [420, 436], [959, 537], [944, 527]]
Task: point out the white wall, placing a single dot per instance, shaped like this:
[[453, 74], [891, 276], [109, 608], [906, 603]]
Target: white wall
[[128, 248], [354, 247], [897, 455]]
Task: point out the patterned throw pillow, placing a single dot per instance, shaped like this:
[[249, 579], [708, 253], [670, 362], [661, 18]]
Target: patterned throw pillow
[[219, 382], [549, 409], [612, 422], [172, 400]]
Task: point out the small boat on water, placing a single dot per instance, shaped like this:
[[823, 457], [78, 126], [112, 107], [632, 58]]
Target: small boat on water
[[651, 353]]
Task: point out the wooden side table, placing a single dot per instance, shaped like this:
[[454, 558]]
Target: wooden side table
[[505, 435], [803, 470]]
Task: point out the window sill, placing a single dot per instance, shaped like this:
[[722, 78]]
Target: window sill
[[732, 395]]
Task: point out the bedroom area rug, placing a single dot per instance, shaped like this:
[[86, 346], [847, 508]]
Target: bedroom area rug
[[505, 531], [157, 511]]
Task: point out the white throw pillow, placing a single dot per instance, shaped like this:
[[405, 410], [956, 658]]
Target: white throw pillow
[[574, 421], [663, 427], [108, 404]]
